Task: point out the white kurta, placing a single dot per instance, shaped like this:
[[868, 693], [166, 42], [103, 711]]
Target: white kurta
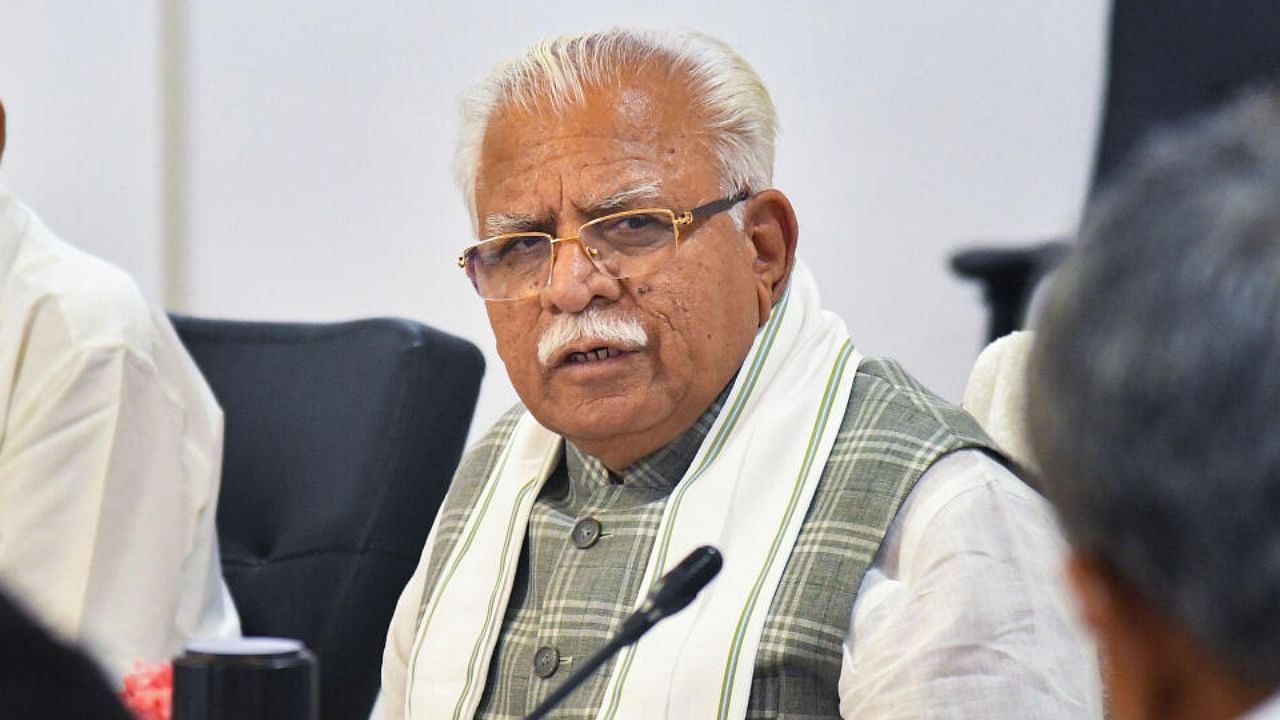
[[964, 612], [110, 457]]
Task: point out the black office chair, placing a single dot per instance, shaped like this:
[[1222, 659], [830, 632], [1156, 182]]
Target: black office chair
[[340, 443], [1167, 60]]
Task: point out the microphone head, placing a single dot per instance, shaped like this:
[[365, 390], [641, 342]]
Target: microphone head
[[682, 583]]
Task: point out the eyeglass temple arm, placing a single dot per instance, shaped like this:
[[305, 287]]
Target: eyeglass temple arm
[[715, 206]]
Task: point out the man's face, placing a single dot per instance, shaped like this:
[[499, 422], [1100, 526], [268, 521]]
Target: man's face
[[700, 311]]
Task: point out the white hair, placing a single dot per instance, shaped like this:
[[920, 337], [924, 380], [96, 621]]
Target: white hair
[[728, 95]]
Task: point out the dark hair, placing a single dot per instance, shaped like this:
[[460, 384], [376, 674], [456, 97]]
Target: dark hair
[[1155, 382], [44, 679]]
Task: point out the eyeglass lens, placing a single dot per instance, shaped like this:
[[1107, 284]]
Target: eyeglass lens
[[620, 246]]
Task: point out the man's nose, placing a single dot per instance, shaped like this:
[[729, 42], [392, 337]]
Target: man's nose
[[575, 280]]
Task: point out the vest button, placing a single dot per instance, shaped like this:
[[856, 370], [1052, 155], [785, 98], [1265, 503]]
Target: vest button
[[546, 661], [586, 532]]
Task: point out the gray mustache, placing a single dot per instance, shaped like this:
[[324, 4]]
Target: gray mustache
[[619, 330]]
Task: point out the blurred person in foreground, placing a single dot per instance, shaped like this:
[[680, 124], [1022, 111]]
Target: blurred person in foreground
[[110, 453], [1155, 415], [681, 386], [43, 678]]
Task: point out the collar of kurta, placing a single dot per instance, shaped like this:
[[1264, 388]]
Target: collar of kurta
[[660, 470], [746, 492]]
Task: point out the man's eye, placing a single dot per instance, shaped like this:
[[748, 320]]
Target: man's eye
[[524, 243], [521, 245], [635, 222], [509, 249]]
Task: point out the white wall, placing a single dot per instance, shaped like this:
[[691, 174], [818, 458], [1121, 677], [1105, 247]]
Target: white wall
[[319, 146], [81, 87]]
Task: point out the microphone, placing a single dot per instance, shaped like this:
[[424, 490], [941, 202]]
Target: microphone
[[671, 594]]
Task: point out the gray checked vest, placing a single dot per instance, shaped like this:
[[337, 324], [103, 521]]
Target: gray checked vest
[[590, 534]]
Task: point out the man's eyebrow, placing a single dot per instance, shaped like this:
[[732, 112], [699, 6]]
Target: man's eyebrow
[[503, 223], [623, 199]]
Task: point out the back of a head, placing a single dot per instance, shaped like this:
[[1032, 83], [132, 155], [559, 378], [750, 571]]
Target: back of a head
[[554, 74], [1156, 383]]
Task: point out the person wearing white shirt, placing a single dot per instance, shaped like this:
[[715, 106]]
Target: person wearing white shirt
[[681, 386], [110, 454], [1154, 412]]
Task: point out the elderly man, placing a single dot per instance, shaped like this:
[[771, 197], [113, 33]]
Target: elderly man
[[1156, 415], [682, 386], [110, 452]]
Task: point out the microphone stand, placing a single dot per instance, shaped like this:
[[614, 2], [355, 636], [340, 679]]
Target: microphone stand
[[580, 675], [670, 594]]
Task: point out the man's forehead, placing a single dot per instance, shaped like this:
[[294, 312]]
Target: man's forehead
[[637, 142], [595, 134], [641, 116], [593, 202]]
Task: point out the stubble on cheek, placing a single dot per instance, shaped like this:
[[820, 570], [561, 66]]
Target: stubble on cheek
[[516, 331]]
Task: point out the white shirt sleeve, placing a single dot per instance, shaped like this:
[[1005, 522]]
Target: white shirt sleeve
[[110, 457], [97, 519], [964, 613]]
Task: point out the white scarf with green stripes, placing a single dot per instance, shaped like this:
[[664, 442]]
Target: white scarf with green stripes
[[746, 492]]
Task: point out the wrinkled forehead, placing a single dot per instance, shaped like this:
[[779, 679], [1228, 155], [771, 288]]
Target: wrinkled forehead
[[638, 133]]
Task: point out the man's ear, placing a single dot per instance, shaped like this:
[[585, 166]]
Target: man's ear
[[1149, 663], [770, 224], [1092, 582], [1108, 612], [1, 129]]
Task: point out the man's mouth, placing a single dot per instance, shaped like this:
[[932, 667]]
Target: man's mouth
[[602, 353]]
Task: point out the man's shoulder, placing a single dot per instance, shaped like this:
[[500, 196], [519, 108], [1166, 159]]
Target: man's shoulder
[[479, 460], [886, 398], [887, 378], [468, 484], [95, 303]]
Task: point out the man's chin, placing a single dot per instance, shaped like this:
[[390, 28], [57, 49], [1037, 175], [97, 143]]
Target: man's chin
[[599, 420]]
